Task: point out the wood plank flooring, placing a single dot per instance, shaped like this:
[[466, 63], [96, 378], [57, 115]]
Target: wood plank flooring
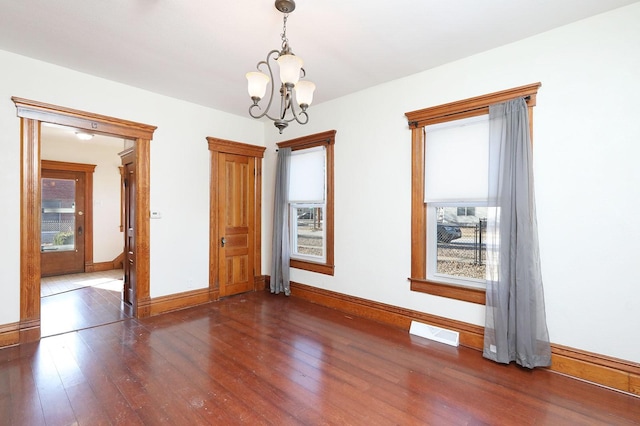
[[77, 301], [263, 359]]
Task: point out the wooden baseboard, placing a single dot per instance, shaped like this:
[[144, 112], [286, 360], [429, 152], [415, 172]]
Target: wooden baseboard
[[259, 282], [188, 299], [9, 334], [599, 369], [105, 266], [607, 371], [118, 262], [470, 335], [29, 331], [175, 302]]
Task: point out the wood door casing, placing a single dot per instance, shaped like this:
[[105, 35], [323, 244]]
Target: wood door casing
[[32, 114], [236, 202]]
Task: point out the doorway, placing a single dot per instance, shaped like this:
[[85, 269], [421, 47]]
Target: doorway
[[81, 264], [32, 114]]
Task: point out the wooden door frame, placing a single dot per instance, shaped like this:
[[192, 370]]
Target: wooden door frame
[[88, 170], [222, 146], [32, 114]]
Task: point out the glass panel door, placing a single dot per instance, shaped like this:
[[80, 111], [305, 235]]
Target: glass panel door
[[58, 215]]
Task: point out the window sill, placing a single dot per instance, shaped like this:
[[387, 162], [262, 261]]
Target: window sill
[[321, 268], [466, 294]]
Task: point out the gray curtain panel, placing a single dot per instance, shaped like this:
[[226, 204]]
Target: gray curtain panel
[[516, 328], [280, 244]]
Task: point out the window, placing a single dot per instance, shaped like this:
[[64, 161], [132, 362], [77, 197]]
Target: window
[[445, 203], [307, 195], [466, 211], [58, 215], [311, 202], [455, 182]]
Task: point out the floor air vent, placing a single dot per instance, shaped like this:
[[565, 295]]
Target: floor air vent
[[432, 332]]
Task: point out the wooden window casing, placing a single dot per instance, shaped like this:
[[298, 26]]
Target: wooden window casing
[[417, 121], [326, 139]]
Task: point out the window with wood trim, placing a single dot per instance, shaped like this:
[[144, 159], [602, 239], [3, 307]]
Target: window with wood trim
[[422, 279], [311, 206]]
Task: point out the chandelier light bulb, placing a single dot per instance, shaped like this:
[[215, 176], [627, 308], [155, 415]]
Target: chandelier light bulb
[[257, 84], [304, 93], [290, 66]]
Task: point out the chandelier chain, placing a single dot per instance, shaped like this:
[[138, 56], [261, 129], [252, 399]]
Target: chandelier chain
[[285, 41]]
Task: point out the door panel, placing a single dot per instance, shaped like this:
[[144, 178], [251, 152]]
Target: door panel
[[62, 236], [236, 225], [129, 264]]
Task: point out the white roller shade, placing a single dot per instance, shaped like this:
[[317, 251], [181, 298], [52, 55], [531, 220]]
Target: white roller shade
[[456, 160], [307, 175]]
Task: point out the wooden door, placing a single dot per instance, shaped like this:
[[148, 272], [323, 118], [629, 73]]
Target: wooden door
[[129, 263], [62, 236], [236, 223]]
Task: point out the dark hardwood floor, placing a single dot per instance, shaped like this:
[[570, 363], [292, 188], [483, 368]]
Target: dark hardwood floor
[[264, 359]]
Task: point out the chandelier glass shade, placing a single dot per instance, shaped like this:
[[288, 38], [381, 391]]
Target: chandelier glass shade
[[293, 89]]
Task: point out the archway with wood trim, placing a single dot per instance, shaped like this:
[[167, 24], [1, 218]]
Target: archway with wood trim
[[32, 114]]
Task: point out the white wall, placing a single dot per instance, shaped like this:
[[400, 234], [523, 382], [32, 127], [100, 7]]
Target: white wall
[[586, 148], [179, 167], [108, 240]]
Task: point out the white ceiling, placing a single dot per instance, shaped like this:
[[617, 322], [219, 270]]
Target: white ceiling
[[53, 133], [200, 50]]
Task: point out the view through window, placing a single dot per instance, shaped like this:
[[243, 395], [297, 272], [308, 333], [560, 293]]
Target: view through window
[[309, 231], [461, 242]]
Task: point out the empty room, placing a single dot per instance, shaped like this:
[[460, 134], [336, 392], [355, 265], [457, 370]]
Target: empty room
[[358, 213]]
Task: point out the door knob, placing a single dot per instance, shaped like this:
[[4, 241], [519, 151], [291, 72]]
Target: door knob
[[223, 241], [80, 230]]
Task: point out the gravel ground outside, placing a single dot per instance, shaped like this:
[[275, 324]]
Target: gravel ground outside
[[311, 246], [459, 262]]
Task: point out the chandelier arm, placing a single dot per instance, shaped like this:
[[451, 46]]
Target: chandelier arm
[[302, 112], [265, 62], [296, 116], [286, 94], [306, 117]]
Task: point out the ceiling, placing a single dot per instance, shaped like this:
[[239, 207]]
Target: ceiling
[[54, 133], [200, 50]]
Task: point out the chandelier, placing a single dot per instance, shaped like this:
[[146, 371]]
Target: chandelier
[[291, 85]]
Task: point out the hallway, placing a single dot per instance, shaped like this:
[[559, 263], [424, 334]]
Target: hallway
[[79, 301]]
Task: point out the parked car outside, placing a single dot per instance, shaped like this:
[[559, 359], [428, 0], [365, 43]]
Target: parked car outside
[[448, 233]]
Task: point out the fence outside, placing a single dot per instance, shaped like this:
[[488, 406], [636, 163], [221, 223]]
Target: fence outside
[[466, 256]]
